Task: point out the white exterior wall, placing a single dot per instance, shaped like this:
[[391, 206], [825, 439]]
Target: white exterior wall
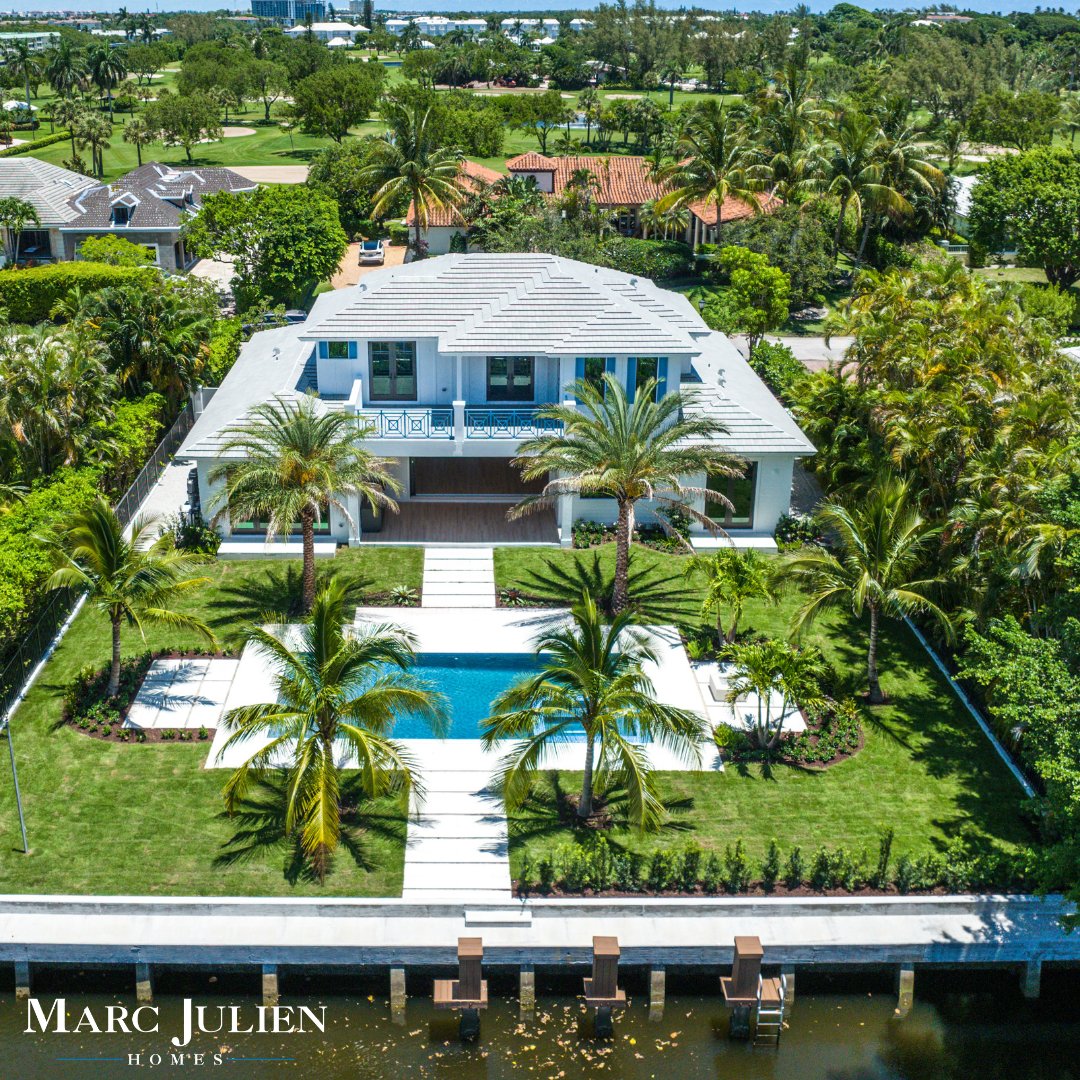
[[438, 238]]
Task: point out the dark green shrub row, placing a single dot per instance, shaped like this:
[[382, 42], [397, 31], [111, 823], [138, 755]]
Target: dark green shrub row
[[598, 867], [28, 295], [657, 259], [225, 341], [37, 144], [796, 531]]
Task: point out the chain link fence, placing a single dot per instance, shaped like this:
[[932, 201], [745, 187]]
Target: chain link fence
[[33, 645]]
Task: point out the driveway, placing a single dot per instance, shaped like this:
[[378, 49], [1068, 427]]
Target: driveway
[[814, 353], [350, 271]]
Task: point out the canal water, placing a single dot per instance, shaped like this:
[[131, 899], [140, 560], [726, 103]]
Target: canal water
[[972, 1026]]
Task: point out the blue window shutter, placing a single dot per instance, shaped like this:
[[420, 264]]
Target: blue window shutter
[[579, 373], [323, 351], [661, 377], [631, 378], [609, 365], [352, 350]]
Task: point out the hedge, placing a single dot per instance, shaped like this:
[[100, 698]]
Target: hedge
[[36, 144], [28, 295], [657, 259], [25, 563]]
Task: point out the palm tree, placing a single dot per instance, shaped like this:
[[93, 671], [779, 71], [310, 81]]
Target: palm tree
[[291, 462], [66, 69], [406, 162], [15, 215], [628, 452], [774, 668], [592, 680], [138, 133], [733, 578], [107, 68], [95, 131], [852, 172], [715, 162], [67, 112], [881, 543], [337, 697], [21, 61], [128, 580]]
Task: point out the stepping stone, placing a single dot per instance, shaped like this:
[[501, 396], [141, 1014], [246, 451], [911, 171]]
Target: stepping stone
[[456, 877]]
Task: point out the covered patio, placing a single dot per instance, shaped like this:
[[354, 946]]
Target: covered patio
[[462, 522]]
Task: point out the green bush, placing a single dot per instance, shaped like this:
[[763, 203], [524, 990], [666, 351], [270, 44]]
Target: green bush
[[28, 295], [128, 438], [116, 251], [37, 144], [657, 259], [225, 340], [778, 368]]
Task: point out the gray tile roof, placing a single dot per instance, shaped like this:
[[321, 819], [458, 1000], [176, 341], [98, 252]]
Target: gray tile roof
[[156, 194], [512, 303], [48, 188]]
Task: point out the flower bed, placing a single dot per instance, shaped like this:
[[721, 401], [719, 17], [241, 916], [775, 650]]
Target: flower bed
[[91, 713], [833, 734]]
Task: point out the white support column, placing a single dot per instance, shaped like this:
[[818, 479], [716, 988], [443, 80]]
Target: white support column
[[657, 992], [459, 389], [459, 423], [905, 990], [144, 982], [270, 993], [526, 992], [397, 995]]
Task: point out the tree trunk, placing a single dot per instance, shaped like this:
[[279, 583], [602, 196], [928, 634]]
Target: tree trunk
[[862, 243], [876, 696], [114, 671], [307, 524], [266, 109], [416, 223], [839, 228], [138, 153], [729, 637], [584, 809], [624, 532]]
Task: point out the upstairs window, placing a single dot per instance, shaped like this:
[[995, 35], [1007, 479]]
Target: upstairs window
[[593, 371], [337, 350], [392, 371], [510, 378], [640, 369]]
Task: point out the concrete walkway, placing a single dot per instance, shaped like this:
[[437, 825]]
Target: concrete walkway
[[457, 846], [462, 577]]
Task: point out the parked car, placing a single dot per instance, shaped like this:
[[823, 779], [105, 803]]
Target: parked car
[[295, 315], [372, 253]]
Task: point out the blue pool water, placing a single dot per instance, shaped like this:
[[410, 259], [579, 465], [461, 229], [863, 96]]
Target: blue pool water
[[470, 682]]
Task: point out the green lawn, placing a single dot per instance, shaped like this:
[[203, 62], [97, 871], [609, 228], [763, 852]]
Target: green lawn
[[925, 769], [128, 818]]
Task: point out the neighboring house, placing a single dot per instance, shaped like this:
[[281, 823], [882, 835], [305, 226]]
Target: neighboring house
[[620, 184], [445, 224], [148, 206], [327, 31], [51, 191], [445, 362], [430, 25], [35, 41], [962, 187]]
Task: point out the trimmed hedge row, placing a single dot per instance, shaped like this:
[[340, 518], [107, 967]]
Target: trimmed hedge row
[[28, 295], [26, 563], [36, 144]]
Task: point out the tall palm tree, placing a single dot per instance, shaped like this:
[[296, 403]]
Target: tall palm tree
[[716, 162], [853, 173], [732, 578], [129, 580], [66, 69], [769, 669], [21, 61], [138, 133], [290, 462], [881, 543], [337, 697], [627, 451], [108, 70], [405, 162], [592, 681], [67, 112], [95, 131]]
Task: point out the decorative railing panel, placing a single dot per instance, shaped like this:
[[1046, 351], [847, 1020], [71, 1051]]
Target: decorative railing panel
[[409, 423], [507, 423]]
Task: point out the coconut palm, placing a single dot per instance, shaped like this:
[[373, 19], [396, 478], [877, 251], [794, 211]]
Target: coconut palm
[[852, 173], [774, 669], [128, 580], [337, 699], [406, 163], [20, 60], [290, 462], [627, 451], [67, 112], [108, 70], [732, 578], [716, 162], [66, 69], [15, 215], [881, 543], [138, 133], [664, 223], [94, 131], [592, 681]]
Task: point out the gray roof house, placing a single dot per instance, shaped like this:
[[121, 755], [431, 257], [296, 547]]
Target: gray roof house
[[445, 363], [147, 206]]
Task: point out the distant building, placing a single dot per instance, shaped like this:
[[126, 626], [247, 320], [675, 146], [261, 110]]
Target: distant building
[[37, 42], [429, 25], [289, 12], [328, 31]]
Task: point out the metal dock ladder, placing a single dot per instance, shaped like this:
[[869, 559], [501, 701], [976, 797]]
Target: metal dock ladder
[[770, 1011]]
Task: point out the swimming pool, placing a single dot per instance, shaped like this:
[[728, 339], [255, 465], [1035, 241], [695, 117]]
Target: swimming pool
[[470, 682]]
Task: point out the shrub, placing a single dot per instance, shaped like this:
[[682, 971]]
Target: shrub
[[797, 530], [778, 368], [821, 871], [691, 864], [37, 144], [546, 871], [905, 874], [736, 868], [128, 438], [712, 877], [770, 867], [881, 871], [795, 868], [657, 259], [225, 339], [116, 251], [195, 536], [29, 295]]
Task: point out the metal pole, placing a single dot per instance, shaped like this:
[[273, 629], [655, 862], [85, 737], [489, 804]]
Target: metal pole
[[18, 794]]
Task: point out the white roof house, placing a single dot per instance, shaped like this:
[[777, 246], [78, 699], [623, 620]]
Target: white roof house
[[48, 188], [445, 363], [326, 31]]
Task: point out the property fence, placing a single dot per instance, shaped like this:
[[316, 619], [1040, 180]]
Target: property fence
[[35, 642]]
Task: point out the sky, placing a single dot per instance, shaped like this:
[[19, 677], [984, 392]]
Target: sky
[[482, 6]]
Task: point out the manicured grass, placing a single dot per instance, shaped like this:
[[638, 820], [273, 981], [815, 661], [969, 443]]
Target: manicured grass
[[925, 769], [148, 819]]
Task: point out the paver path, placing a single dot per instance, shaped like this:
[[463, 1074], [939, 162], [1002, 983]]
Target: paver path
[[462, 577], [457, 843]]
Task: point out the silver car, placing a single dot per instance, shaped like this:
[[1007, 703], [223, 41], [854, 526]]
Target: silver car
[[372, 253]]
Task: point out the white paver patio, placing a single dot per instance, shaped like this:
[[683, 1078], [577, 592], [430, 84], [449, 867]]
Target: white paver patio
[[180, 693], [743, 714], [459, 577]]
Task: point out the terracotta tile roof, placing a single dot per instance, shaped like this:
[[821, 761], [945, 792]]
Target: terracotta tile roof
[[733, 209], [474, 177], [531, 162]]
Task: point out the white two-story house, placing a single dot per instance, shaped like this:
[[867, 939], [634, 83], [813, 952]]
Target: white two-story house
[[445, 363]]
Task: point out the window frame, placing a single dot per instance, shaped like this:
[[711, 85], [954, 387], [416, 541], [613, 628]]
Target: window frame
[[331, 346], [640, 380], [393, 356], [511, 374], [728, 520]]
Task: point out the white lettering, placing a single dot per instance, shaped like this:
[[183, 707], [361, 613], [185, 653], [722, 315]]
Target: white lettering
[[318, 1021], [33, 1009], [87, 1023], [116, 1019], [136, 1018]]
